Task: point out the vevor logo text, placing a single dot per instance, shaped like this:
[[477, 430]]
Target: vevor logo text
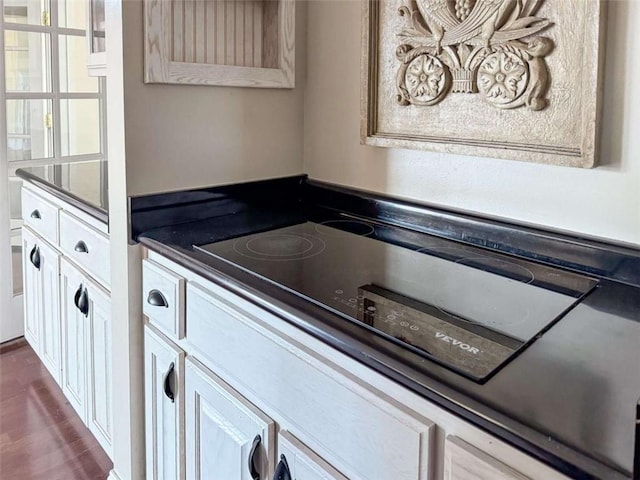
[[457, 343]]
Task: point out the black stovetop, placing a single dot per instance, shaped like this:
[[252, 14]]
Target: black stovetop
[[470, 310]]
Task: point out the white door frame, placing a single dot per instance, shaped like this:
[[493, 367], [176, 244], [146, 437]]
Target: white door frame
[[11, 310]]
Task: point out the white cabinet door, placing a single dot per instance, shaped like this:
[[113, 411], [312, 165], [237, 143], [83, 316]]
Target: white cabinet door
[[32, 287], [302, 462], [99, 377], [50, 310], [41, 267], [74, 370], [463, 461], [226, 436], [164, 407]]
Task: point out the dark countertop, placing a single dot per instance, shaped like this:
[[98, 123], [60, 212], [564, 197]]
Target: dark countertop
[[568, 400], [81, 184]]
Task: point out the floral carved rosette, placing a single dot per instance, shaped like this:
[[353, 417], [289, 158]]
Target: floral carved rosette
[[486, 47]]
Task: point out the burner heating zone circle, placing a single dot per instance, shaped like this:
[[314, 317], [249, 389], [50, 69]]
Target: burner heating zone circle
[[280, 247]]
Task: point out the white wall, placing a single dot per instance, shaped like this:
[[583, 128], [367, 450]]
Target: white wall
[[603, 202], [183, 136]]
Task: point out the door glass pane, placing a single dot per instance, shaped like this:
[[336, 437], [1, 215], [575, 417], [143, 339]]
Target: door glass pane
[[16, 261], [80, 126], [73, 66], [15, 202], [72, 14], [25, 11], [27, 61], [29, 133], [15, 210], [97, 26]]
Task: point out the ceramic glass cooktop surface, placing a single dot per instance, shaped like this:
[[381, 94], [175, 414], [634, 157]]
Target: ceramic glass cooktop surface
[[467, 309]]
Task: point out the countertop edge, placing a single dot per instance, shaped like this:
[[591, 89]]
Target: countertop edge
[[555, 454], [66, 196]]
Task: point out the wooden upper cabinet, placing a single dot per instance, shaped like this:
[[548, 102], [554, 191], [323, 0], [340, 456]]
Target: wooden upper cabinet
[[241, 43]]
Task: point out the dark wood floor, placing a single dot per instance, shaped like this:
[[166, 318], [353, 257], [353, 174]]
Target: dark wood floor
[[41, 437]]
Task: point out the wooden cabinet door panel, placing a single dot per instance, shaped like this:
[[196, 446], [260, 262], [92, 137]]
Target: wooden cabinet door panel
[[99, 378], [73, 339], [304, 464], [466, 462], [163, 367], [50, 310], [358, 429], [32, 294], [221, 427]]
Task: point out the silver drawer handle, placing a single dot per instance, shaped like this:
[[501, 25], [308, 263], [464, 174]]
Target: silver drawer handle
[[157, 299], [81, 247]]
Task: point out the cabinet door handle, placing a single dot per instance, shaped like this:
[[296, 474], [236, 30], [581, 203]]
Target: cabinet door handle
[[76, 297], [166, 385], [282, 470], [253, 456], [157, 299], [81, 247], [82, 301], [36, 214], [34, 256]]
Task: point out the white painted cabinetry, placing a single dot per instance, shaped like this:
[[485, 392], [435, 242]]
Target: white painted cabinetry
[[226, 436], [67, 310], [466, 462], [32, 289], [41, 267], [302, 462], [74, 324], [99, 374], [318, 414], [86, 339], [164, 408]]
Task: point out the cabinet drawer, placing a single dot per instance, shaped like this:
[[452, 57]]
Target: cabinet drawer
[[303, 463], [163, 299], [356, 428], [40, 215], [88, 247], [465, 462]]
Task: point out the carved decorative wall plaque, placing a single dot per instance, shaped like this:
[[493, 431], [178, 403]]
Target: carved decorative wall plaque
[[515, 79]]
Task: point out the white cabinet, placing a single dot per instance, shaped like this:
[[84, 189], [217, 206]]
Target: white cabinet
[[41, 267], [337, 419], [31, 279], [301, 462], [86, 340], [67, 312], [163, 299], [99, 375], [463, 461], [357, 428], [164, 408], [50, 310], [73, 338], [227, 438]]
